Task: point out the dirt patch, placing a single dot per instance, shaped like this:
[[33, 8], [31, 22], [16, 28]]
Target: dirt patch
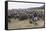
[[15, 24]]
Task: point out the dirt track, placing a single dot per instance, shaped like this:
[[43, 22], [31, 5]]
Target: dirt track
[[23, 24]]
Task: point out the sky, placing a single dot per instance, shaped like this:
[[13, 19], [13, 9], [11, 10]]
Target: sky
[[20, 5]]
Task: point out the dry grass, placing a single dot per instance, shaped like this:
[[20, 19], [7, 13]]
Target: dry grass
[[23, 24]]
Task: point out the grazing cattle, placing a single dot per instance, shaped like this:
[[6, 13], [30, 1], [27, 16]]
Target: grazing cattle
[[23, 17]]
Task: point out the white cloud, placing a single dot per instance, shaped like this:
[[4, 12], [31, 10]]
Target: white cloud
[[17, 5]]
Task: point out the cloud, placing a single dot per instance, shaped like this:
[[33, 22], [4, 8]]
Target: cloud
[[18, 5]]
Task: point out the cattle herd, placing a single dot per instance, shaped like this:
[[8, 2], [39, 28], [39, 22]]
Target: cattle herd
[[23, 14]]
